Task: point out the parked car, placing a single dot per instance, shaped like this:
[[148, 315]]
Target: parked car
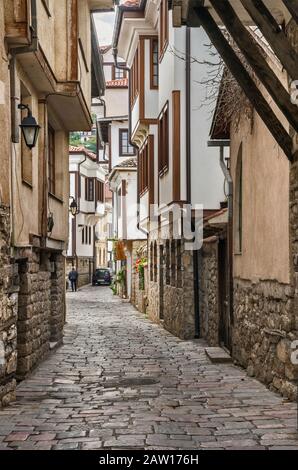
[[102, 277]]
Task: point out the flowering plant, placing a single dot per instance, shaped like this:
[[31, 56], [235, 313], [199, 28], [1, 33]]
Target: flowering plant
[[141, 263]]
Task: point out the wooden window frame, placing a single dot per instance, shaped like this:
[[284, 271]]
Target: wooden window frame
[[135, 78], [121, 153], [154, 41], [163, 28], [51, 161], [143, 168], [99, 191], [163, 141], [115, 70]]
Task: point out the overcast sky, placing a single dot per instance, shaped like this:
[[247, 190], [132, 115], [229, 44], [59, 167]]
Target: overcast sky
[[105, 25]]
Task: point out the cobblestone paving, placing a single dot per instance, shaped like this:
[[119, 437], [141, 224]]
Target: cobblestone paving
[[122, 382]]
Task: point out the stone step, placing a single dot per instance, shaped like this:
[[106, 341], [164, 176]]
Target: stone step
[[218, 355]]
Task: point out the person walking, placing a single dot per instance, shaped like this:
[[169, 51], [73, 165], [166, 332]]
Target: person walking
[[73, 277]]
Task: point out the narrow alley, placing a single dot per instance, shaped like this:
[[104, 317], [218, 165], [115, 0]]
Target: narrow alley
[[122, 382]]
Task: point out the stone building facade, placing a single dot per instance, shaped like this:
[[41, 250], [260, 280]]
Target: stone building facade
[[171, 284], [39, 61]]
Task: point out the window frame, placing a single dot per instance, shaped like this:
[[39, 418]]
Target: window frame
[[143, 168], [153, 42], [163, 28], [121, 153], [163, 141], [134, 79], [89, 189]]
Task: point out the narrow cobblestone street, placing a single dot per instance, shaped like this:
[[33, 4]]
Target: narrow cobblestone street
[[123, 382]]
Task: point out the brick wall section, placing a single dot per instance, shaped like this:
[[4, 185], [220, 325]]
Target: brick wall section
[[209, 312], [8, 314]]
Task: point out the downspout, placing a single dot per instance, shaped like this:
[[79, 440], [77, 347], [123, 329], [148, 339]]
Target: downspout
[[15, 132], [229, 180], [196, 253]]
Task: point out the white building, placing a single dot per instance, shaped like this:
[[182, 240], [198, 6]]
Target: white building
[[120, 156], [87, 189], [170, 126]]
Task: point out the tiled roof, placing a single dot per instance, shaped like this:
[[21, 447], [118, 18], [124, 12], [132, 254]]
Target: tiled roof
[[121, 82], [81, 149], [131, 3], [128, 163]]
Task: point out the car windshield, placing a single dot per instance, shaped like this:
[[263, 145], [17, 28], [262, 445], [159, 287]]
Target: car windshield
[[102, 272]]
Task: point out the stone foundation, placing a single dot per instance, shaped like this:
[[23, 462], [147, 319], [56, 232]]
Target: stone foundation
[[8, 314], [264, 327], [171, 286], [209, 309], [40, 307]]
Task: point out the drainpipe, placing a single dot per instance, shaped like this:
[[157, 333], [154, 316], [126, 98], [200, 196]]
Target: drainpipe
[[196, 253], [15, 131], [228, 178]]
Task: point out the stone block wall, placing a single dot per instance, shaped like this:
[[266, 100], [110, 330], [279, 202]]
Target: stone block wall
[[209, 308], [8, 314], [34, 312], [263, 330], [171, 290], [41, 307], [57, 317]]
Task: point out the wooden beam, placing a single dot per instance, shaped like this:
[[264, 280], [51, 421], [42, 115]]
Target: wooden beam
[[256, 60], [274, 35], [245, 81], [292, 6]]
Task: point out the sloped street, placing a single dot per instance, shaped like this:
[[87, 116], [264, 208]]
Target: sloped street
[[122, 382]]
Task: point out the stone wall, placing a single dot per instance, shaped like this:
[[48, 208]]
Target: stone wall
[[8, 314], [40, 307], [209, 308], [171, 288], [57, 316], [262, 333]]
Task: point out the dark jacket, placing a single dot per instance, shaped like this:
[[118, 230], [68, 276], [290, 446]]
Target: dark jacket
[[73, 276]]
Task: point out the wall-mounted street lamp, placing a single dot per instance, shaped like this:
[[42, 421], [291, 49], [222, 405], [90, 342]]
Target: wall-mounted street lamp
[[73, 207], [29, 126]]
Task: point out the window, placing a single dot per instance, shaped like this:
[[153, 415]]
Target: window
[[90, 235], [83, 236], [238, 203], [118, 74], [125, 148], [99, 191], [51, 160], [134, 78], [89, 189], [143, 169], [119, 202], [154, 63], [163, 28], [163, 145]]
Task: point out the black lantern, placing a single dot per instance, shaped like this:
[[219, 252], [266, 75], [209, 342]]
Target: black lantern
[[73, 207], [29, 126]]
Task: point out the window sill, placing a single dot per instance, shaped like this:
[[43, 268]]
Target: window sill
[[57, 198], [238, 253]]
